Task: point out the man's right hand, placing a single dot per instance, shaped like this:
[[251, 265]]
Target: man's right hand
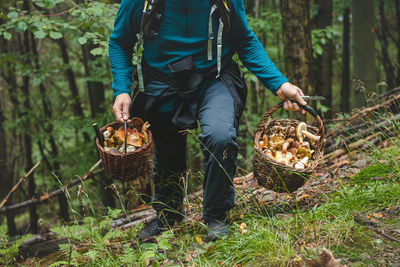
[[121, 107]]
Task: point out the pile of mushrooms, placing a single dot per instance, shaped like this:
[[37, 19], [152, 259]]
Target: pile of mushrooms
[[291, 146], [137, 136]]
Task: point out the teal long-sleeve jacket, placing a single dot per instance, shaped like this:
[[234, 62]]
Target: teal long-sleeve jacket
[[184, 32]]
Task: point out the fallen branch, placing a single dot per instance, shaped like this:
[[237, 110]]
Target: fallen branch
[[22, 179], [375, 227], [382, 126], [363, 112], [44, 197]]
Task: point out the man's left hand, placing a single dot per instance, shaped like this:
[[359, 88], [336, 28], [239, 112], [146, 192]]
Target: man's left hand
[[289, 91]]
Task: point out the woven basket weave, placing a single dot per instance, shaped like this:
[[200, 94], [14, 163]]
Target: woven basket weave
[[129, 166], [277, 176]]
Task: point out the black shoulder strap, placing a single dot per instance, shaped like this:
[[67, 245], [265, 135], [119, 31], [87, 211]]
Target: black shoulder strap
[[153, 12]]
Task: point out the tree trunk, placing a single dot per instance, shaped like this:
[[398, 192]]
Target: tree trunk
[[363, 50], [5, 177], [397, 7], [297, 43], [382, 34], [48, 113], [345, 89], [26, 137], [95, 88], [77, 108], [323, 65]]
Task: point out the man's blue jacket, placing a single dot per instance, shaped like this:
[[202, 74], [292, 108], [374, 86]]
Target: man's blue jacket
[[184, 32]]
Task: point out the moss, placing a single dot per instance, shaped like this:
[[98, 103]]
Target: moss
[[374, 170]]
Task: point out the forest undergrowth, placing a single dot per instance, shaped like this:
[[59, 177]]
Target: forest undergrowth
[[259, 236]]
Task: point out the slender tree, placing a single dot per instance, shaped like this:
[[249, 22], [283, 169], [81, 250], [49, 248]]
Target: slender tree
[[345, 87], [323, 62], [363, 50]]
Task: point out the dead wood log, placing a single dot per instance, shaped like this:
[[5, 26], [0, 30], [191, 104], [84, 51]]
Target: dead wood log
[[41, 245], [41, 199], [362, 113], [382, 126]]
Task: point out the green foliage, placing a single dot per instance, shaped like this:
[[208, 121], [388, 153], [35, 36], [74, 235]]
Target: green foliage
[[320, 37]]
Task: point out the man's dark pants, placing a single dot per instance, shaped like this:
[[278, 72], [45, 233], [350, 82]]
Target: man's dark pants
[[218, 117]]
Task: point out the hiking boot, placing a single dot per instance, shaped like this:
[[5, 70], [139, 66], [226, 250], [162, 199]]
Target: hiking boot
[[152, 228], [217, 229], [163, 221]]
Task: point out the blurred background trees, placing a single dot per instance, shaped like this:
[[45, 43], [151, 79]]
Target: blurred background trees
[[55, 82]]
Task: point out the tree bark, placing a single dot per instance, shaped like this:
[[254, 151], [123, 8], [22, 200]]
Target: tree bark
[[345, 88], [5, 179], [363, 50], [382, 34], [73, 87], [323, 65], [26, 137], [95, 88], [297, 43], [47, 109], [397, 7]]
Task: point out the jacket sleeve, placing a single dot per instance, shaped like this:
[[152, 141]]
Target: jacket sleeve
[[250, 50], [121, 44]]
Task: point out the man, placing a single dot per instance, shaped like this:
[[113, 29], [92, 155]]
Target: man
[[190, 76]]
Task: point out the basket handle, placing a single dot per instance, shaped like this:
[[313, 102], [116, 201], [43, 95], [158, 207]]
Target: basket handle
[[307, 108]]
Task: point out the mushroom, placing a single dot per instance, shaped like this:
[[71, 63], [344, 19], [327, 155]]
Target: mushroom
[[304, 151], [276, 141], [265, 139], [311, 136], [110, 129], [269, 153], [107, 134], [286, 145], [293, 150], [301, 131], [302, 163], [261, 145], [295, 144], [291, 132], [277, 128], [283, 158]]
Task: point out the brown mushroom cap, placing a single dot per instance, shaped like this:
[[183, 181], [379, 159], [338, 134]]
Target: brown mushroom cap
[[286, 145], [299, 131]]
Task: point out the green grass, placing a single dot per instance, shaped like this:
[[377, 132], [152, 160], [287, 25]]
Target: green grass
[[265, 240]]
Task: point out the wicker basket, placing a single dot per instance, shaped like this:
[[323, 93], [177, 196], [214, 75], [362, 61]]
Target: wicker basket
[[277, 176], [129, 166]]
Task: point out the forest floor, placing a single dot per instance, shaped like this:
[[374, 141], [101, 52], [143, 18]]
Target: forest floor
[[347, 214]]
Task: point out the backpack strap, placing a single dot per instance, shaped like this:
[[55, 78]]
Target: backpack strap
[[222, 11], [153, 12]]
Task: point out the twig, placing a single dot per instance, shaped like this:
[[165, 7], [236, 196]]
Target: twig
[[44, 197], [375, 227], [22, 179]]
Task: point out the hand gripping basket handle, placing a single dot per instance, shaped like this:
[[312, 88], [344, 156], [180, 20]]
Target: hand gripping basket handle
[[307, 108]]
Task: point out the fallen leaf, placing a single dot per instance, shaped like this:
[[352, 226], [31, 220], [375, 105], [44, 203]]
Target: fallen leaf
[[325, 259], [199, 240], [304, 196]]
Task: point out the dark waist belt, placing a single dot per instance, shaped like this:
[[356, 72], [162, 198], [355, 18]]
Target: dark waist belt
[[188, 84]]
